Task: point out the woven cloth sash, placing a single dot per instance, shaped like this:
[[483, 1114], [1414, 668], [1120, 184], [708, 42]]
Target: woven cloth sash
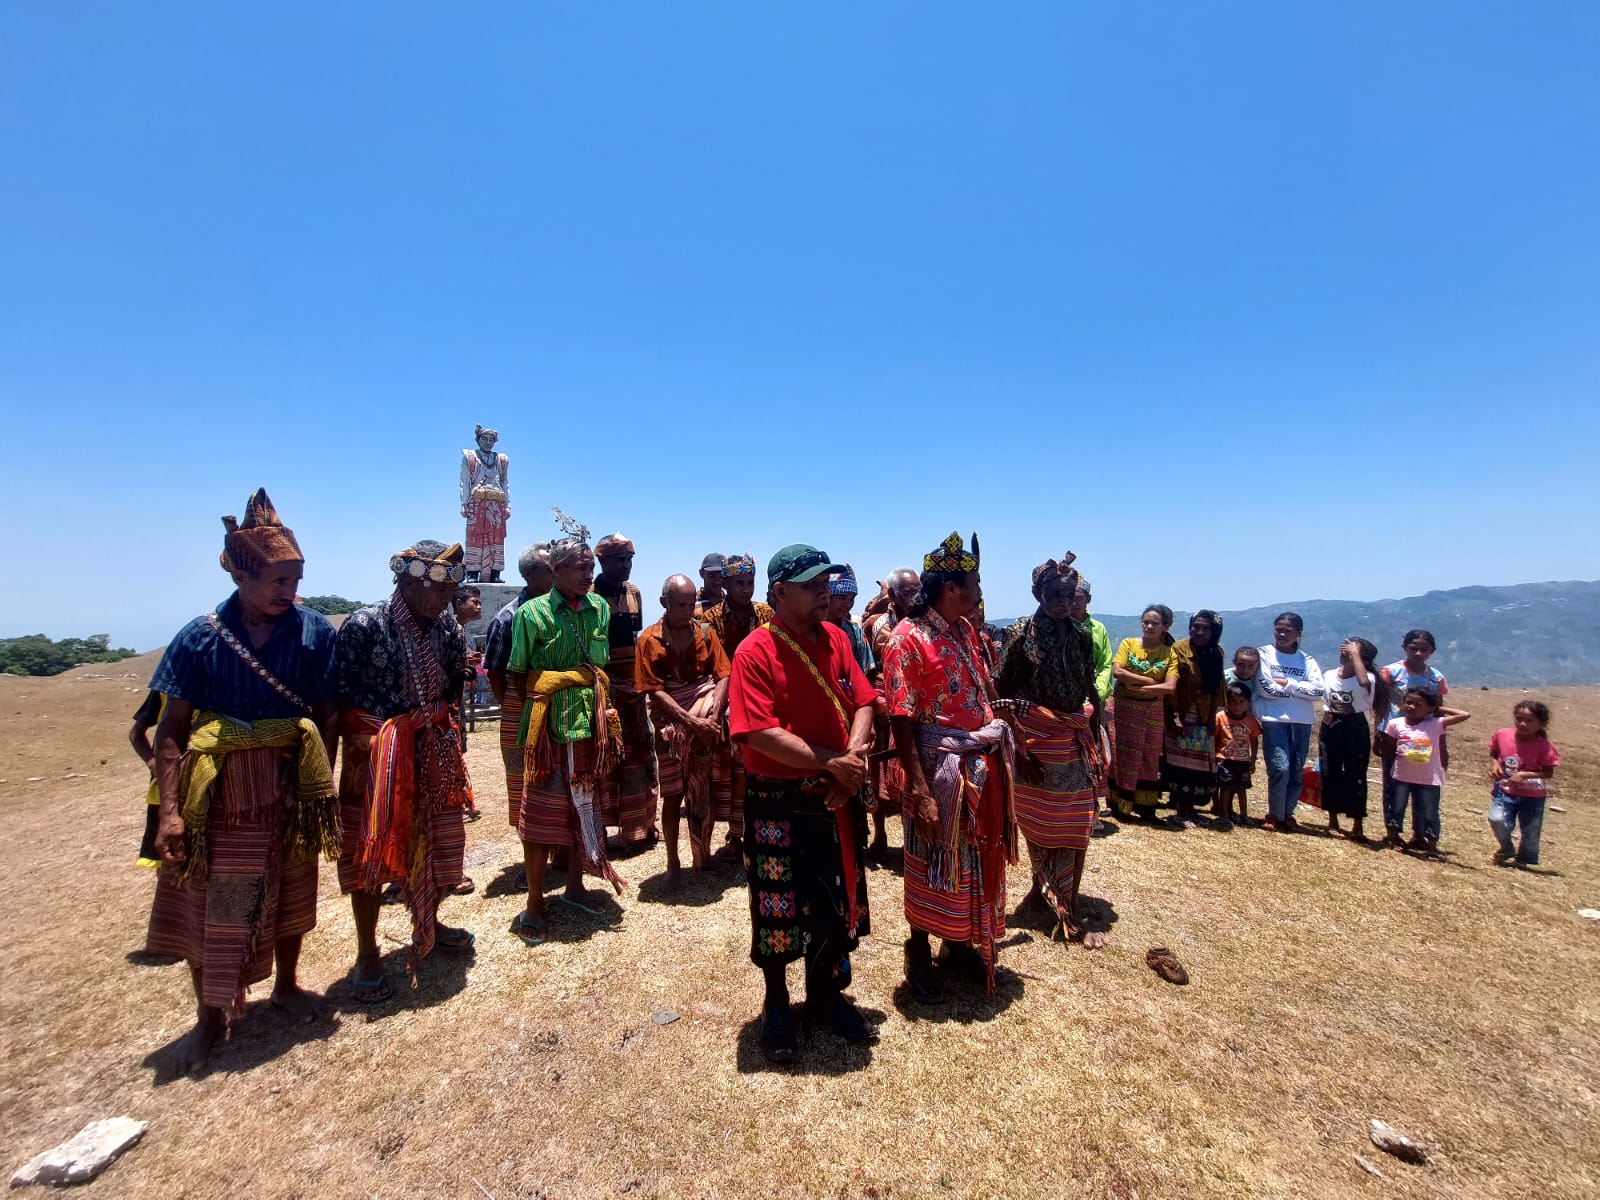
[[231, 641]]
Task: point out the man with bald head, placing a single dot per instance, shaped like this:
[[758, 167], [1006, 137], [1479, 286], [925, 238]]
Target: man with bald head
[[680, 667]]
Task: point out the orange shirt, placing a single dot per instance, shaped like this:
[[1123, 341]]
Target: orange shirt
[[657, 666]]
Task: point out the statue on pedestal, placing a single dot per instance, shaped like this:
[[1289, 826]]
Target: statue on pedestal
[[486, 504]]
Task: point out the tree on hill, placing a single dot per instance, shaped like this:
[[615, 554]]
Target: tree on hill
[[38, 655], [331, 606]]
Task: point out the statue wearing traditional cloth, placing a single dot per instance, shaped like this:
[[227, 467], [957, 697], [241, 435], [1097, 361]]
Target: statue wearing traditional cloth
[[486, 505]]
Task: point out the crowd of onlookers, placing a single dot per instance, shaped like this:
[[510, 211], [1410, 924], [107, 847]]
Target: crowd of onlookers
[[1187, 733]]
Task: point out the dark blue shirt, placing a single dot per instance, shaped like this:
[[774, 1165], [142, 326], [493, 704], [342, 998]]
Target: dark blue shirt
[[497, 645], [201, 668]]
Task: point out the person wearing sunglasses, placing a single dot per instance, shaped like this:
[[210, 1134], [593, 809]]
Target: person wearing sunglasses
[[403, 788]]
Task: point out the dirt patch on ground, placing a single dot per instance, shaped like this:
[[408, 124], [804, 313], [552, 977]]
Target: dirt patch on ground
[[1331, 983]]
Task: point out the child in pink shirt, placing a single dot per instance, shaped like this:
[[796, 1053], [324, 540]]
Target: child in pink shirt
[[1521, 761], [1413, 741]]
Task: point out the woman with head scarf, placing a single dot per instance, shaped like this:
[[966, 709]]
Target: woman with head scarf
[[1189, 745]]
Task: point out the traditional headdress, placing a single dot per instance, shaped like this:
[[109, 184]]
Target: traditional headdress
[[479, 430], [430, 561], [1083, 586], [1051, 569], [950, 559], [844, 583], [259, 540], [739, 564], [612, 543], [564, 550]]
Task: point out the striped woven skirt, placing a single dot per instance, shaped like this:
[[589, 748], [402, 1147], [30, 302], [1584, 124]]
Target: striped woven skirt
[[1136, 752], [1056, 801], [447, 830], [629, 794], [511, 754], [226, 919]]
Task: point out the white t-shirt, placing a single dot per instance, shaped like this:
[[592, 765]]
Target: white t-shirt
[[1347, 696]]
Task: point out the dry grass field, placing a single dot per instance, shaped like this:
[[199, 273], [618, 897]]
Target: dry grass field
[[1331, 984]]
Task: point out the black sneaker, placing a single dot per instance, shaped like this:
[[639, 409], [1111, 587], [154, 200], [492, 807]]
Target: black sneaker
[[777, 1035]]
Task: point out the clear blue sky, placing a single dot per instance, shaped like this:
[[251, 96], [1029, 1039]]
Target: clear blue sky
[[1244, 303]]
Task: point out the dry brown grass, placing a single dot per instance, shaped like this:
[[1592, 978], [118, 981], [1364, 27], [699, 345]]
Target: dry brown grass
[[1330, 984]]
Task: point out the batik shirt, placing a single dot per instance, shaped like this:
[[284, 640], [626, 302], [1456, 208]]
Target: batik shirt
[[550, 633], [371, 659], [732, 628], [934, 673], [858, 644], [497, 642], [1049, 662], [200, 668]]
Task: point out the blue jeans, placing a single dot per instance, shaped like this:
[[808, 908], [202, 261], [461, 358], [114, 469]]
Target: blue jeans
[[1506, 813], [1285, 746], [1424, 801]]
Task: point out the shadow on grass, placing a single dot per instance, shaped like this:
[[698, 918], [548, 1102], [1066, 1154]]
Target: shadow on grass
[[694, 889], [965, 997], [821, 1052], [148, 958], [264, 1033]]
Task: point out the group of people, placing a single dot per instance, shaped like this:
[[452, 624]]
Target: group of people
[[786, 720]]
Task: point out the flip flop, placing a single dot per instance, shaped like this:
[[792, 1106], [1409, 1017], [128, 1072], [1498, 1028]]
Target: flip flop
[[465, 888], [577, 904], [530, 933], [1165, 964], [372, 991], [456, 945]]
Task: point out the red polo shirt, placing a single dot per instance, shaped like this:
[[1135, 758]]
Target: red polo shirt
[[771, 688]]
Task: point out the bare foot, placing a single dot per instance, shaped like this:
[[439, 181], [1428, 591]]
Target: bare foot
[[301, 1006], [1093, 939], [192, 1052], [674, 878]]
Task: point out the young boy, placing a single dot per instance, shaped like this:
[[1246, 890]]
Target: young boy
[[1246, 666], [1238, 736]]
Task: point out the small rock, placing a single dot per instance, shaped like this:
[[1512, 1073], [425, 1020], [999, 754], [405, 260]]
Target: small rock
[[94, 1148], [35, 779], [1589, 914], [1557, 808], [663, 1016], [1367, 1165], [1391, 1141]]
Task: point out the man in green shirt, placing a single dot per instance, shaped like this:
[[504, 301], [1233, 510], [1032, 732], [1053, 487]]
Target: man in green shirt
[[560, 643]]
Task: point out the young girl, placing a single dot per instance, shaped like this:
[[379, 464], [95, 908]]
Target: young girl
[[1345, 742], [1522, 759], [1238, 746], [1412, 741], [1411, 671]]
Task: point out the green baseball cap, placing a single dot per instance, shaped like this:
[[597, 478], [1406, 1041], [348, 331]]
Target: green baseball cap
[[800, 564]]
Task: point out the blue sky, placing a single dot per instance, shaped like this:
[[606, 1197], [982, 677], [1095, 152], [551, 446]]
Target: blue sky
[[1243, 303]]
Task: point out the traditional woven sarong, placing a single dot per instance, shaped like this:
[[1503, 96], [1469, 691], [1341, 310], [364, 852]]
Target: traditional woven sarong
[[1136, 753], [560, 805], [253, 888], [806, 871], [511, 752], [629, 793], [403, 795], [728, 781], [686, 765], [1056, 800], [486, 535], [1189, 765], [956, 888]]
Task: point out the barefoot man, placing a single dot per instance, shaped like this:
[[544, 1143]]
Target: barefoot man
[[681, 669], [242, 763], [403, 786], [1047, 674], [560, 643]]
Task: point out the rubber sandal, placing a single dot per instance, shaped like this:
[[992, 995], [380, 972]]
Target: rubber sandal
[[577, 904], [456, 945], [372, 991], [1165, 964], [465, 888], [530, 933]]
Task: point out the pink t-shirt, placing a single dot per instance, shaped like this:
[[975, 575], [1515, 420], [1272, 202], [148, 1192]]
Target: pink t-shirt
[[1416, 758], [1531, 754]]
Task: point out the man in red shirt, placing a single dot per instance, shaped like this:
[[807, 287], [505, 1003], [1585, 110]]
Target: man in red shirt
[[802, 708], [958, 758]]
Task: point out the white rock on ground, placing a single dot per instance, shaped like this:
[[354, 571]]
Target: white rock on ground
[[1391, 1141], [94, 1148]]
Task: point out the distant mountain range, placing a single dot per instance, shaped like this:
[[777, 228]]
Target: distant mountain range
[[1524, 635]]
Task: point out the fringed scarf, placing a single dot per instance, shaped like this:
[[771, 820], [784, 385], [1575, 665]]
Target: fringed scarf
[[313, 823]]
